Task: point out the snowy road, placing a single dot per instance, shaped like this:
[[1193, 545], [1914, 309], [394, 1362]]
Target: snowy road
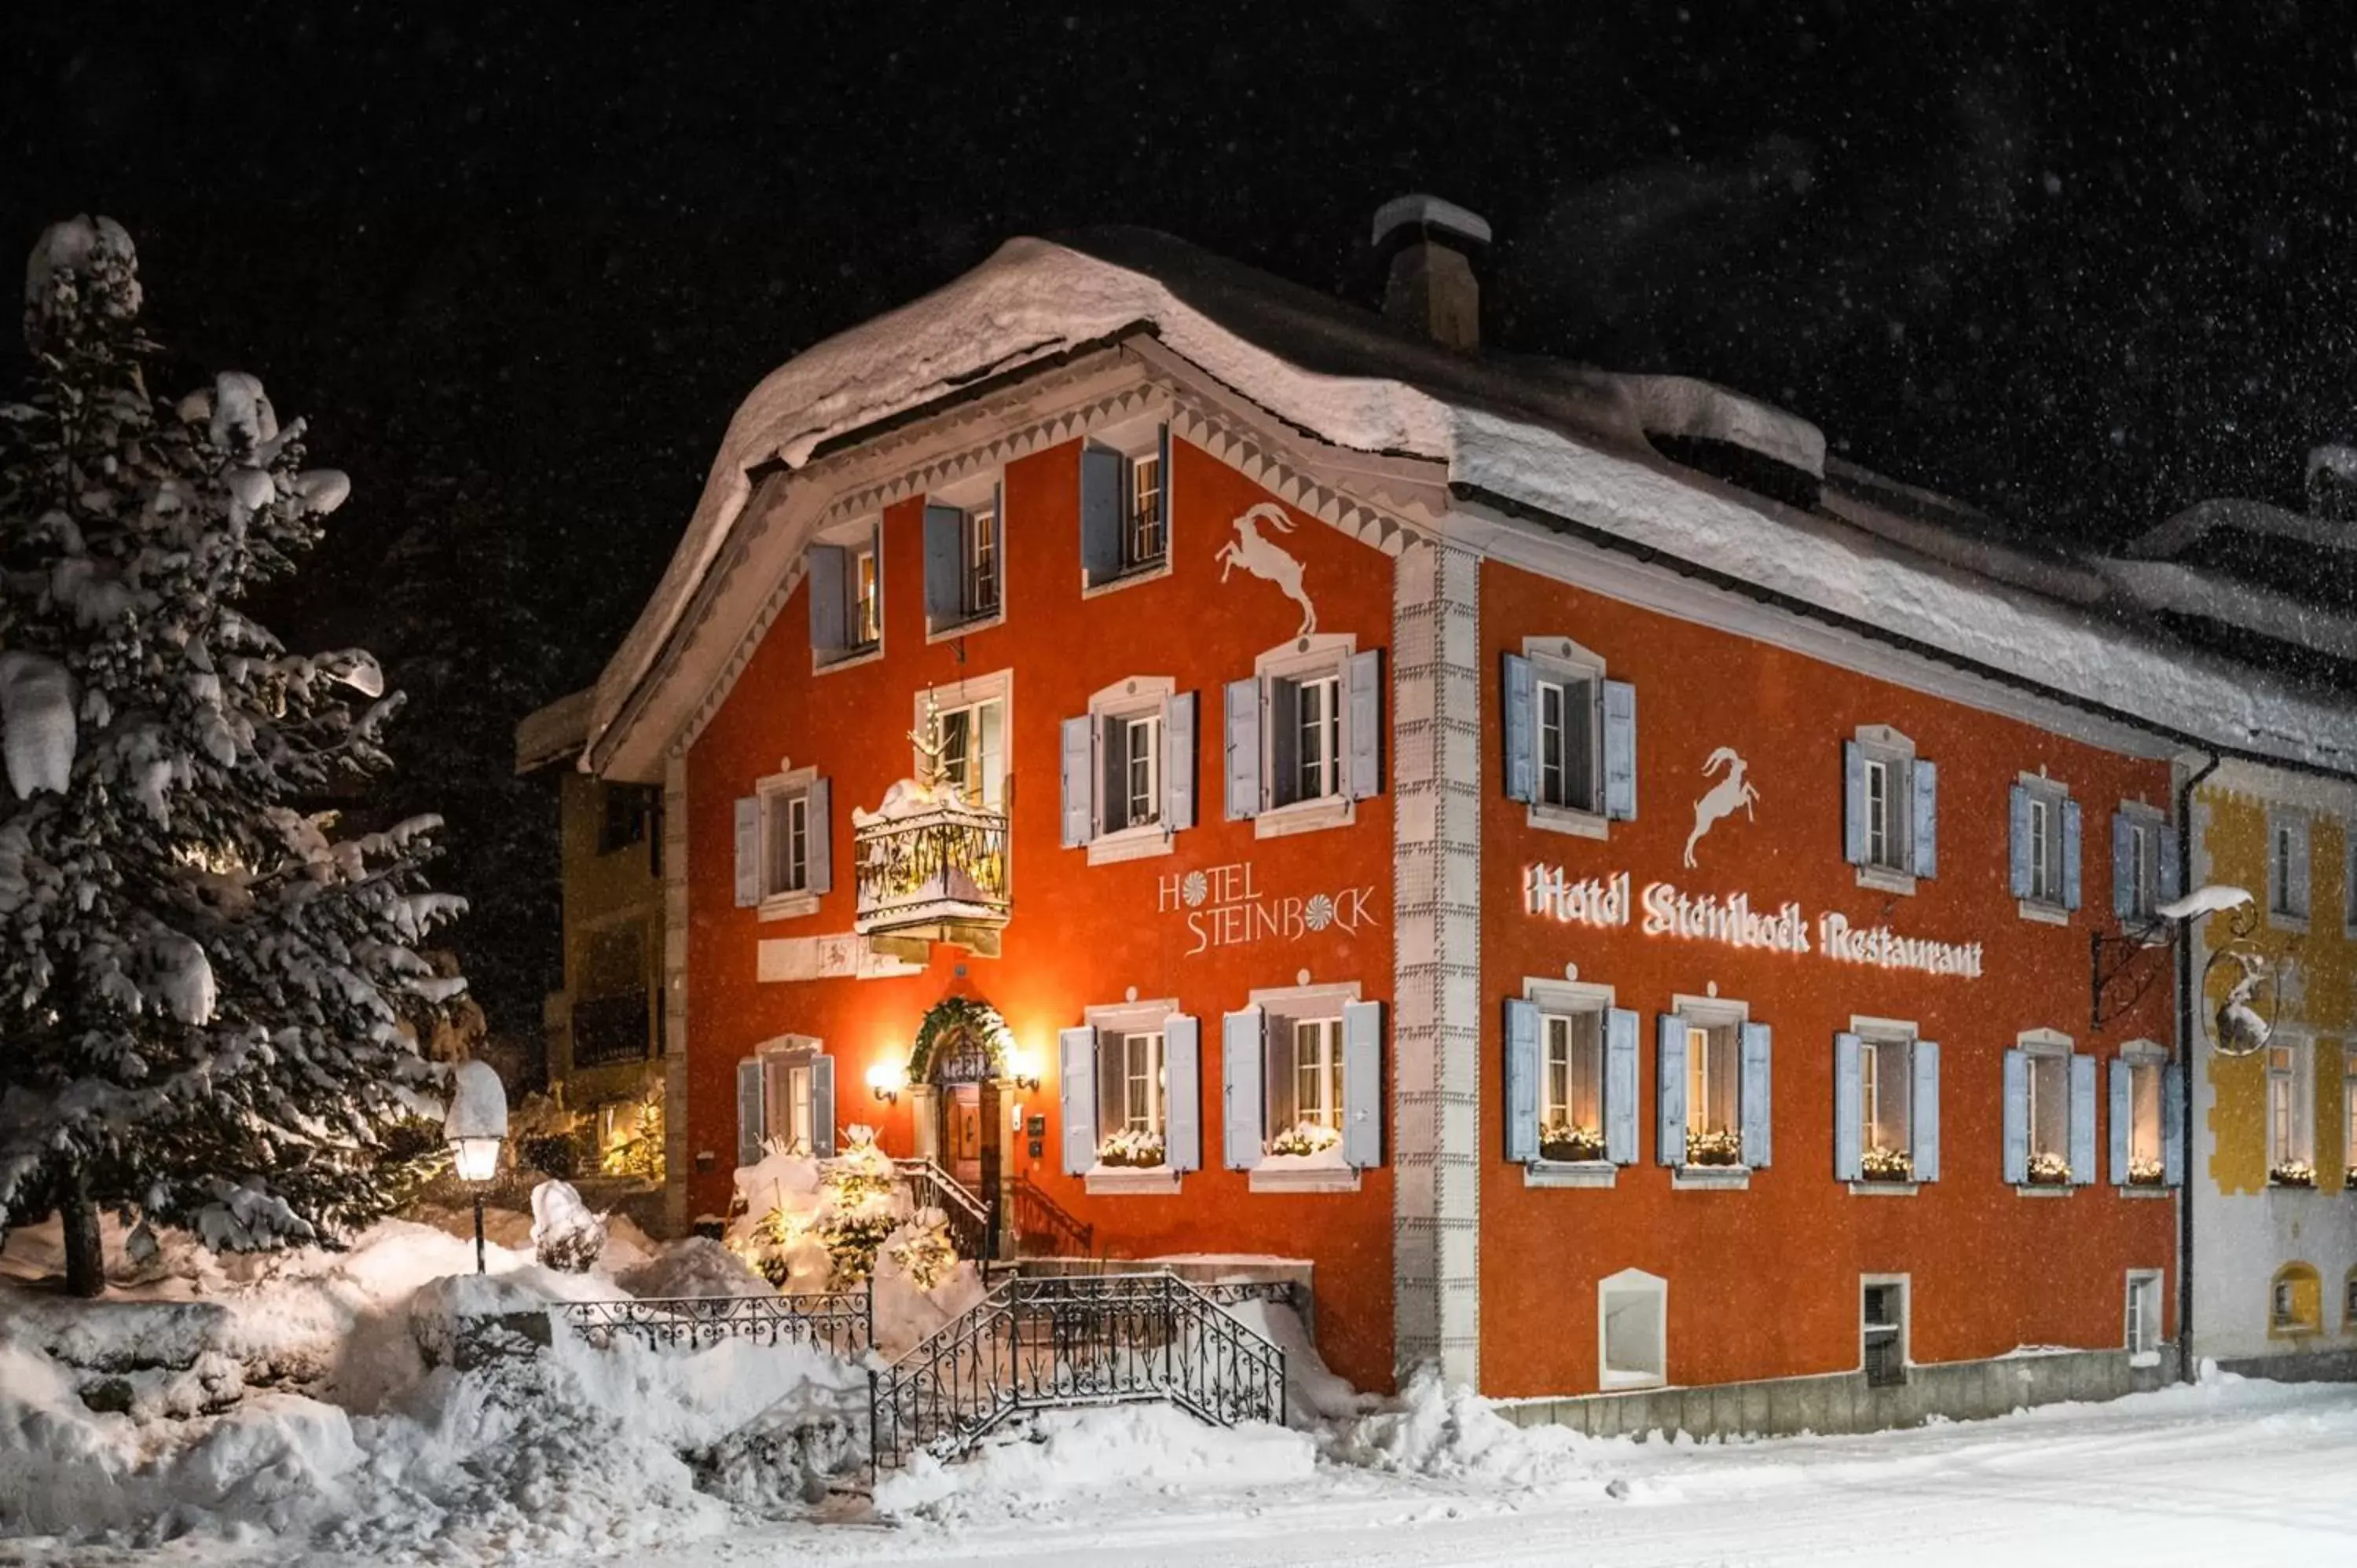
[[2219, 1475]]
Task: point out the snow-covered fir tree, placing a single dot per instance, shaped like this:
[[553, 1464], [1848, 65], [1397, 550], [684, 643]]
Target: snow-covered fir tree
[[208, 993]]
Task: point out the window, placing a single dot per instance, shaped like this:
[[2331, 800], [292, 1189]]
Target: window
[[1309, 712], [1881, 831], [2049, 1112], [1714, 1082], [785, 1095], [2349, 1302], [1145, 539], [1129, 1095], [1885, 1079], [2287, 868], [1632, 1330], [2139, 870], [1125, 506], [2045, 847], [973, 752], [1882, 1330], [1304, 738], [2294, 1302], [2348, 1113], [1570, 737], [2144, 1317], [846, 594], [964, 559], [2291, 1160], [1302, 1087], [2145, 1140], [1889, 805], [1129, 770], [627, 811], [1571, 1085], [783, 853]]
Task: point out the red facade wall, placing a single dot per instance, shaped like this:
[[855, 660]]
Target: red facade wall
[[1764, 1282], [1079, 936]]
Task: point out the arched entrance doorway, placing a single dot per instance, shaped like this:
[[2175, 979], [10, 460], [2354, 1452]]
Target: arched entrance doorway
[[955, 1072]]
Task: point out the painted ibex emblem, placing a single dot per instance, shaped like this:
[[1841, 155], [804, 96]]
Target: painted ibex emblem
[[1722, 799], [1263, 559]]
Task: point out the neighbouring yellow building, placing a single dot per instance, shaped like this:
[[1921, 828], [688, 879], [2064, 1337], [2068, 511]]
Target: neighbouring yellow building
[[2275, 1135], [605, 1025]]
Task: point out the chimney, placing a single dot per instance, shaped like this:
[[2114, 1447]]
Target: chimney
[[1431, 288]]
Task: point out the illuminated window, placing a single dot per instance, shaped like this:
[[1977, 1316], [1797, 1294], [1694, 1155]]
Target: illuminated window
[[866, 598], [1129, 1083], [2295, 1301], [1571, 1085], [1146, 538], [2290, 1154], [1713, 1082]]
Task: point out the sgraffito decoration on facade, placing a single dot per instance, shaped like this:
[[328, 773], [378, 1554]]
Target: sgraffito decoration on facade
[[1263, 558], [1731, 794], [1663, 909], [1224, 907]]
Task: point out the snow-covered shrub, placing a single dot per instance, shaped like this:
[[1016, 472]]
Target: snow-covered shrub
[[565, 1235]]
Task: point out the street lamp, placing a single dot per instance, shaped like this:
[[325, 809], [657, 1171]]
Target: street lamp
[[474, 1127]]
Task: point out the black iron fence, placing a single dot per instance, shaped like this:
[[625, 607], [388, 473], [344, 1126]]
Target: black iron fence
[[841, 1321], [1057, 1341]]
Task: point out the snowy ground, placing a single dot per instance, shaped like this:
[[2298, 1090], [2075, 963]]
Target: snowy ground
[[307, 1432]]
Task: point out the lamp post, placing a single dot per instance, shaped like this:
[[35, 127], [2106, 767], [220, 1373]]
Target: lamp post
[[474, 1126]]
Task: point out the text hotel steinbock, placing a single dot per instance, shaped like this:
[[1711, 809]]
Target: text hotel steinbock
[[1664, 910]]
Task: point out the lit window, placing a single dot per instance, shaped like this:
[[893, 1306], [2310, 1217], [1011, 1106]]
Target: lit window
[[1129, 1066], [1714, 1094], [1318, 1072], [867, 600], [974, 751], [2049, 1112], [1146, 538], [2296, 1301], [2145, 1132], [1886, 1087], [2291, 1159], [981, 531], [1571, 1085]]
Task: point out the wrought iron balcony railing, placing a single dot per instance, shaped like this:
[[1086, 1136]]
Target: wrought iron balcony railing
[[942, 864]]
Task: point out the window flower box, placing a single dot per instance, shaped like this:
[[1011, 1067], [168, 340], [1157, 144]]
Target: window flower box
[[2048, 1170], [1880, 1164], [2292, 1173], [1304, 1140], [2144, 1171], [1130, 1149], [1564, 1144], [1720, 1146]]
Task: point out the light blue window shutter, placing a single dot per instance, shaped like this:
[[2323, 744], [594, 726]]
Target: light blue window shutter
[[1179, 762], [2017, 860], [1926, 1153], [1077, 1088], [828, 598], [2121, 1095], [1853, 803], [750, 1110], [2123, 865], [1100, 476], [1362, 1083], [1924, 840], [1848, 1086], [1182, 1093], [818, 864], [944, 566], [2166, 880], [2017, 1117], [1363, 674], [1670, 1130], [1240, 1135], [1757, 1081], [1516, 706], [821, 1071], [748, 851], [1078, 782], [2172, 1124], [1620, 750], [2070, 854], [1621, 1085], [1241, 743], [1522, 1080], [2082, 1119]]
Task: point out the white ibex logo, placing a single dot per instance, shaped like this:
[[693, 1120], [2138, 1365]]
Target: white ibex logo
[[1722, 799], [1263, 559]]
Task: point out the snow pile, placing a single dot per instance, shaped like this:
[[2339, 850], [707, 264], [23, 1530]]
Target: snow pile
[[1453, 1434], [919, 1283], [1140, 1450], [565, 1234], [37, 714], [698, 1266], [133, 1420]]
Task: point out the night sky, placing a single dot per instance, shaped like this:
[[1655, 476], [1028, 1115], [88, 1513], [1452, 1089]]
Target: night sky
[[2080, 264]]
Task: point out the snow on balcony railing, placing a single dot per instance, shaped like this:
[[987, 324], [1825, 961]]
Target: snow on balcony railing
[[947, 862]]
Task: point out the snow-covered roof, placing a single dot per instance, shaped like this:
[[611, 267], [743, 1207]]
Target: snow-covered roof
[[1546, 435], [555, 732]]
